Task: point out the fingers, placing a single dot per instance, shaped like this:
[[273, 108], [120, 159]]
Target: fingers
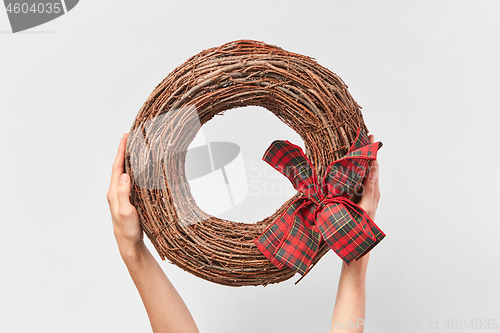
[[371, 193], [125, 208], [369, 182], [372, 172], [119, 159], [377, 189], [117, 168], [374, 169], [368, 200], [375, 166]]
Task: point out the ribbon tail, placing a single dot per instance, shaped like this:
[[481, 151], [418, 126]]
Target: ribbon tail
[[348, 229], [292, 240], [362, 217], [375, 230]]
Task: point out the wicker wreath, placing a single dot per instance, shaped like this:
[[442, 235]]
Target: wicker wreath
[[307, 97]]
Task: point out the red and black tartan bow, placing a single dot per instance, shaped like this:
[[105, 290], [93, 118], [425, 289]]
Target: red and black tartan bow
[[325, 212]]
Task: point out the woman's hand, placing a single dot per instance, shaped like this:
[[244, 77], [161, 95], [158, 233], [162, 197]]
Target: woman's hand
[[126, 226], [349, 311], [166, 310]]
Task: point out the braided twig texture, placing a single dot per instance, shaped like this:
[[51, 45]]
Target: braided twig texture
[[307, 97]]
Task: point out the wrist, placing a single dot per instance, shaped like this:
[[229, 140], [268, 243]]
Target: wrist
[[357, 267], [130, 250]]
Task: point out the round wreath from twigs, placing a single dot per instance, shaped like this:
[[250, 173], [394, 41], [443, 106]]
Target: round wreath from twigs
[[309, 98]]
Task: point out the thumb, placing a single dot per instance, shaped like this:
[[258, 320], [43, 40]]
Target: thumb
[[367, 201], [369, 183], [123, 193]]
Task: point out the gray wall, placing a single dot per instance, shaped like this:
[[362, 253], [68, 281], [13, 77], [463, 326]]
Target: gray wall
[[426, 75]]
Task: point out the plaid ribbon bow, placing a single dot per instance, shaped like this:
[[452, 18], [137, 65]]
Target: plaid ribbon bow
[[325, 212]]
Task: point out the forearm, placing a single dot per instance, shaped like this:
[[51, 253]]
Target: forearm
[[349, 311], [166, 310], [165, 307]]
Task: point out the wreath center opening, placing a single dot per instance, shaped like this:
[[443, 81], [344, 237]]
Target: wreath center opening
[[224, 167]]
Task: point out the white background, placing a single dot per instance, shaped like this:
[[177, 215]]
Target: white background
[[426, 75]]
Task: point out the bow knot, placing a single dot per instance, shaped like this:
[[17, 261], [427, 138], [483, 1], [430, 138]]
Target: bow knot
[[324, 212]]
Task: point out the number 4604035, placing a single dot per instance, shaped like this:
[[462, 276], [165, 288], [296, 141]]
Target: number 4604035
[[34, 8], [471, 324]]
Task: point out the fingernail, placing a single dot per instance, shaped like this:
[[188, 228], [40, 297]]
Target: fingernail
[[124, 178]]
